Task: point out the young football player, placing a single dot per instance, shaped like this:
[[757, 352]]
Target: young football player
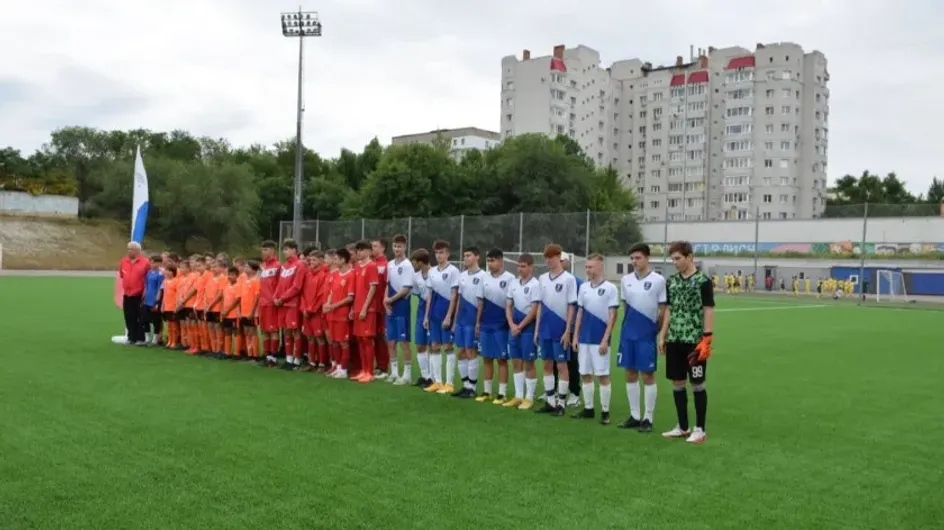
[[286, 299], [169, 306], [378, 254], [366, 283], [249, 310], [313, 326], [334, 352], [229, 312], [338, 309], [465, 327], [269, 274], [687, 332], [151, 309], [420, 260], [493, 337], [555, 316], [597, 302], [438, 319], [524, 300], [396, 305], [183, 311]]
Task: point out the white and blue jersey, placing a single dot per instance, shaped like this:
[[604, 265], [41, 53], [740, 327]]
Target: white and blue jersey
[[558, 294], [493, 339], [523, 296], [471, 292], [442, 285], [399, 277], [421, 292], [640, 329], [596, 301]]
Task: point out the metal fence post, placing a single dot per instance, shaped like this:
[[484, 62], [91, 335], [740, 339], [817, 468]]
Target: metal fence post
[[461, 237], [756, 241], [521, 232], [363, 228], [865, 225], [409, 235], [318, 233], [665, 240], [586, 244]]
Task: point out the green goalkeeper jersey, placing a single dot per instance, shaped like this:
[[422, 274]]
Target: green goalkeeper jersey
[[687, 300]]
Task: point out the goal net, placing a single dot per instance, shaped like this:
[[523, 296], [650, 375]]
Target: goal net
[[890, 286]]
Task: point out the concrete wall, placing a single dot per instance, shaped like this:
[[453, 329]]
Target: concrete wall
[[19, 203]]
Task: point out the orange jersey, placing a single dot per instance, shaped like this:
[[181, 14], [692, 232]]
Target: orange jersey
[[170, 295], [187, 284], [214, 288], [230, 293], [202, 281], [248, 296]]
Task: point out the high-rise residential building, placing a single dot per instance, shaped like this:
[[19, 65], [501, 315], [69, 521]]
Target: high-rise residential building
[[730, 134], [461, 140]]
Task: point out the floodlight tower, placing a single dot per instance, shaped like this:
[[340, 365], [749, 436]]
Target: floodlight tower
[[299, 25]]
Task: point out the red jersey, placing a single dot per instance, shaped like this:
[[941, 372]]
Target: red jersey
[[342, 286], [327, 281], [291, 282], [312, 290], [367, 275], [268, 281], [382, 265]]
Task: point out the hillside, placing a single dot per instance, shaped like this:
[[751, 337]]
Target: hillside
[[66, 244]]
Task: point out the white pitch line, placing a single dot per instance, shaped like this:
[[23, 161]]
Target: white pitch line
[[777, 308]]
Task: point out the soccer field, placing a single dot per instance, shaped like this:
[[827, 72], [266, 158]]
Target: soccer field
[[820, 416]]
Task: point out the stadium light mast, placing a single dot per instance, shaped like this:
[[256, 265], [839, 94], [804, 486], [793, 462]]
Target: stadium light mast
[[299, 24]]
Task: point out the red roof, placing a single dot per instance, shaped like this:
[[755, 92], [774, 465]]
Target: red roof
[[698, 77], [677, 80], [740, 62], [558, 64]]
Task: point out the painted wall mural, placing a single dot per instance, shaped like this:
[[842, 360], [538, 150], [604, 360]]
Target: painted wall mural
[[837, 248]]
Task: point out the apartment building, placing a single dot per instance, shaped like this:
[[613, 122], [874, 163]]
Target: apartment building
[[729, 134], [461, 140]]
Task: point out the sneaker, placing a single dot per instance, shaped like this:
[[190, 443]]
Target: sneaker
[[546, 409], [573, 401], [367, 378], [403, 381], [630, 423], [698, 436], [339, 374], [446, 389], [287, 366], [433, 387], [468, 394], [500, 400], [459, 392], [526, 404], [512, 403], [560, 411], [585, 414], [645, 426], [392, 379], [605, 417], [676, 432], [483, 398], [422, 382], [380, 375], [309, 368]]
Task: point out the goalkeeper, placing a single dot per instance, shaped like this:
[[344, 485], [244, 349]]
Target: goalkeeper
[[685, 339]]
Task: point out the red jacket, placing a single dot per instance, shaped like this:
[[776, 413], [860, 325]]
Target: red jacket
[[291, 282], [311, 292], [382, 272], [268, 281], [133, 275]]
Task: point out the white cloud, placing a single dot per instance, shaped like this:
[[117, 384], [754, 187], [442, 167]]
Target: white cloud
[[384, 68]]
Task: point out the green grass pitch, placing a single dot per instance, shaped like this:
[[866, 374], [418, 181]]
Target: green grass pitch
[[819, 417]]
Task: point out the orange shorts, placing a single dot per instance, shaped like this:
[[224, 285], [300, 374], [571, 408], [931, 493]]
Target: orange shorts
[[339, 331], [314, 325], [366, 327], [290, 318], [268, 319]]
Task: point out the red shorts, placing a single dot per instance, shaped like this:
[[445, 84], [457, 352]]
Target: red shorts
[[290, 318], [366, 327], [339, 331], [314, 325], [268, 319]]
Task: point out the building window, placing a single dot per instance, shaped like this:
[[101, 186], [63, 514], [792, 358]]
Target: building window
[[768, 199], [769, 111]]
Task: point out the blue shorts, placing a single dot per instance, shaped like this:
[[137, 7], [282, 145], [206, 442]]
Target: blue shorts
[[465, 337], [553, 350], [493, 344], [438, 335], [397, 328], [637, 355], [420, 335], [522, 347]]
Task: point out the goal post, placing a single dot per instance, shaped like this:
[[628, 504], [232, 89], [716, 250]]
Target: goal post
[[890, 286]]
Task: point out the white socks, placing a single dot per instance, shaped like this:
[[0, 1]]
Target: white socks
[[549, 389], [562, 387], [450, 368], [651, 392], [605, 392], [472, 365], [632, 392], [394, 365], [588, 395], [487, 387], [435, 366], [423, 359], [519, 385], [407, 371], [464, 372], [503, 389]]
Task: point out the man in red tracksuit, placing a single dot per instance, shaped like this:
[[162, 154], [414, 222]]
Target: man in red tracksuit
[[378, 249], [311, 305], [287, 300], [269, 272]]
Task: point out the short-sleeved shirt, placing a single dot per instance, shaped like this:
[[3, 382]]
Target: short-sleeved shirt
[[441, 283], [201, 281], [231, 291], [558, 294], [367, 275], [596, 302], [191, 285], [495, 298], [400, 276], [342, 286], [170, 294], [214, 288], [471, 290], [248, 296], [383, 271], [523, 297], [152, 287], [642, 297], [687, 299]]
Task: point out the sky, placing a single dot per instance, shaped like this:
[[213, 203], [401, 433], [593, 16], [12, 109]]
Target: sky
[[223, 69]]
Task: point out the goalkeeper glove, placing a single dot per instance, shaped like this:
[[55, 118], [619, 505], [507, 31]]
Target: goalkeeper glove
[[702, 351]]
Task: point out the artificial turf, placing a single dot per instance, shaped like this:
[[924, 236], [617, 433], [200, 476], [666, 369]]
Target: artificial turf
[[819, 417]]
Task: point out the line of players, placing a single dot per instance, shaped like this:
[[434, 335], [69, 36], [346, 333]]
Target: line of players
[[353, 310], [736, 283]]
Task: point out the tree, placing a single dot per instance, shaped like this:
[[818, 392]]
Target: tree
[[936, 191]]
